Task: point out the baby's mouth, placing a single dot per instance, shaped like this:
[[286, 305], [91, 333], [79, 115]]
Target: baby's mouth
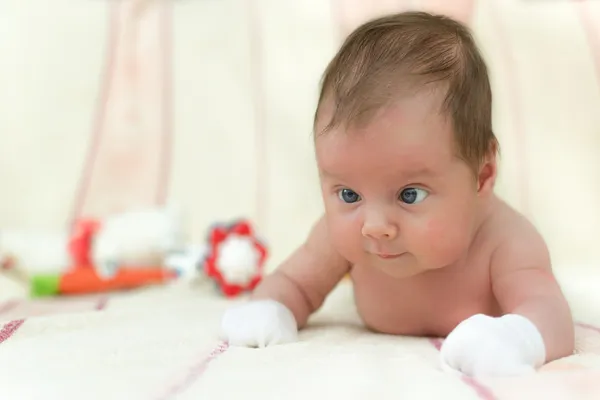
[[388, 256]]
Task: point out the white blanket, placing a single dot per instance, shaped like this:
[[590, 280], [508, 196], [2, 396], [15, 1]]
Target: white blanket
[[162, 343]]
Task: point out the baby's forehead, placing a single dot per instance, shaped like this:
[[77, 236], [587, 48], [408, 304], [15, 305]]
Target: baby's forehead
[[403, 135], [353, 157], [424, 106]]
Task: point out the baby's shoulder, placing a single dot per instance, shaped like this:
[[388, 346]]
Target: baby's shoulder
[[516, 240]]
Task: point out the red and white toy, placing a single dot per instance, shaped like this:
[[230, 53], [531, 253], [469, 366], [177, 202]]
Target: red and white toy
[[233, 255], [142, 237], [235, 258]]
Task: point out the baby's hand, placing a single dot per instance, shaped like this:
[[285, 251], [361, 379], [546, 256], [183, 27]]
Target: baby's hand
[[483, 345], [259, 323]]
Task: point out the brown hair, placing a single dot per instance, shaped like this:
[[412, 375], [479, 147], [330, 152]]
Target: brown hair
[[411, 51]]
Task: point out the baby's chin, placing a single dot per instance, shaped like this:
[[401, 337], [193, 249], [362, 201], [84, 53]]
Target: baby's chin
[[399, 273], [405, 266]]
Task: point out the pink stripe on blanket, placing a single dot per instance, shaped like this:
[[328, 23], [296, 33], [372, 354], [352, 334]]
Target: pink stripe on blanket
[[106, 81], [513, 83], [347, 15], [8, 306], [437, 343], [167, 104], [257, 55], [101, 303], [589, 21], [129, 156], [194, 372], [9, 329], [588, 326], [461, 10], [482, 391]]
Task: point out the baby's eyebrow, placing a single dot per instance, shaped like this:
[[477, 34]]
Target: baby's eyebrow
[[417, 172], [327, 174], [333, 177]]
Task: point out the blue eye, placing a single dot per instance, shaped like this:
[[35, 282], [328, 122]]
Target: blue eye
[[348, 196], [413, 195]]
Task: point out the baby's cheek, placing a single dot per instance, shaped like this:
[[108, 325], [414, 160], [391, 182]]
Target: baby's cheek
[[443, 240], [433, 236], [434, 230], [343, 236]]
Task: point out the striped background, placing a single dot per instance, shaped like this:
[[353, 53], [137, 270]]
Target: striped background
[[107, 105]]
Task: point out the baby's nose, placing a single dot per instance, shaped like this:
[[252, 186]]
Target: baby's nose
[[376, 226]]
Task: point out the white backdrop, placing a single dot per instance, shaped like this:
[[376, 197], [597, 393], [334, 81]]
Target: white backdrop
[[107, 105]]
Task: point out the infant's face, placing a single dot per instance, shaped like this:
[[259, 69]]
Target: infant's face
[[396, 196]]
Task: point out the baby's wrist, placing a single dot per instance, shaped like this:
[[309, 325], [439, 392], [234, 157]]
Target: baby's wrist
[[527, 334]]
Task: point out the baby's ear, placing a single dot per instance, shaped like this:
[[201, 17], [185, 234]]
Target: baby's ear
[[487, 173]]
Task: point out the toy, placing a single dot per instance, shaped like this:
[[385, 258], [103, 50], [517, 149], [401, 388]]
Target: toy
[[186, 262], [81, 241], [121, 251], [87, 280], [138, 237], [34, 250], [235, 258], [129, 250]]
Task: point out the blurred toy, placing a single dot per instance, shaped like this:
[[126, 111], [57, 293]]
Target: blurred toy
[[81, 241], [235, 258], [34, 250], [86, 280], [186, 262], [132, 249], [95, 255], [139, 237]]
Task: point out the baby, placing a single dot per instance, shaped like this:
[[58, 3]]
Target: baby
[[407, 163]]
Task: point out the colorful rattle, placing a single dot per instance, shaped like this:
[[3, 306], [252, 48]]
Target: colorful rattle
[[235, 258]]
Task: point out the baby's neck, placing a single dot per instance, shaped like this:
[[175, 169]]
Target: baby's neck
[[485, 212]]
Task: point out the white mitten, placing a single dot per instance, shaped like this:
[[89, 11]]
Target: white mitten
[[259, 323], [483, 345]]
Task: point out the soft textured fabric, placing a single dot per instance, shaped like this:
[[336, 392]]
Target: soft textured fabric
[[108, 105], [163, 343]]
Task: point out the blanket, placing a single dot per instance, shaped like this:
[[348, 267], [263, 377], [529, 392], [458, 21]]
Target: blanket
[[163, 343]]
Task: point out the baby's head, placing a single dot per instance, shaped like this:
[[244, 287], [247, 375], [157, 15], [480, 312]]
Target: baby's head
[[404, 143]]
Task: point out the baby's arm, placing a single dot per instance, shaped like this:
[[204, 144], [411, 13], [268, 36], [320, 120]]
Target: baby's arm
[[523, 284], [302, 282], [285, 299]]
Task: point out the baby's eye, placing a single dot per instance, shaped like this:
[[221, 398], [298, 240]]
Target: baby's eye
[[348, 196], [413, 195]]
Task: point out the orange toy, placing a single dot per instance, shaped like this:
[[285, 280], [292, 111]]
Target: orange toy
[[86, 280]]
